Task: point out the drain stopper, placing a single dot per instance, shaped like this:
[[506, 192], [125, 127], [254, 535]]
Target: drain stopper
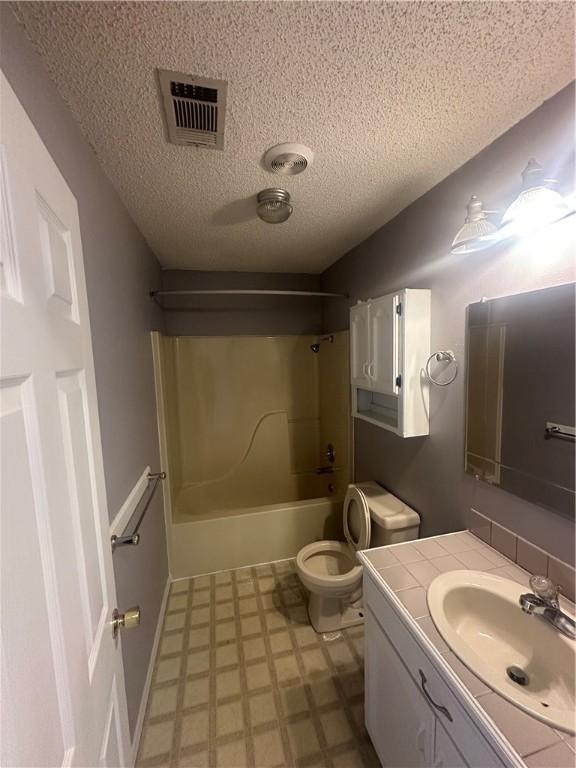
[[517, 675]]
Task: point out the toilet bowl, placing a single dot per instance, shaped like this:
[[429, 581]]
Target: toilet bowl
[[332, 576], [329, 570]]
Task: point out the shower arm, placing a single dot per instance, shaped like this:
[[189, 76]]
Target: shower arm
[[316, 346]]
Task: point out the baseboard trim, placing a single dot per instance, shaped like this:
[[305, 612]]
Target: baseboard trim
[[148, 682]]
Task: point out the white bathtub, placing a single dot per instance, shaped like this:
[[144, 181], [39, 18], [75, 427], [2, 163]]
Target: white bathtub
[[252, 535]]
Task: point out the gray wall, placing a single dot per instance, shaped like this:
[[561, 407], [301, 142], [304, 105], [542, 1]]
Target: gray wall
[[241, 315], [412, 251], [120, 270]]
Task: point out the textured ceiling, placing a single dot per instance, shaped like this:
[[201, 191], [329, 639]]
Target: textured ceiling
[[391, 96]]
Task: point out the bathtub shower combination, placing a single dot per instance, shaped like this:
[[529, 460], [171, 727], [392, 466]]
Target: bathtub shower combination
[[255, 438]]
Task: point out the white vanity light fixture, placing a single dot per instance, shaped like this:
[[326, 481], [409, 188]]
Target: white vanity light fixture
[[475, 234], [536, 206]]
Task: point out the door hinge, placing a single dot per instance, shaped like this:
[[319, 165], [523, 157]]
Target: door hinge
[[399, 308], [399, 381]]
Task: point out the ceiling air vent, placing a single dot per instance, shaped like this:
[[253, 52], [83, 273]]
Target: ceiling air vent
[[194, 109]]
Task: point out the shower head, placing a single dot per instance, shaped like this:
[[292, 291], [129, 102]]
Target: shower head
[[316, 347]]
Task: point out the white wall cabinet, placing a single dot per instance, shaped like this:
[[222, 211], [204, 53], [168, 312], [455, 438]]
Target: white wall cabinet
[[389, 346], [385, 324], [360, 345]]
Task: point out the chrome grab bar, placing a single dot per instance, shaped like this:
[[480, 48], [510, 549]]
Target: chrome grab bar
[[134, 537]]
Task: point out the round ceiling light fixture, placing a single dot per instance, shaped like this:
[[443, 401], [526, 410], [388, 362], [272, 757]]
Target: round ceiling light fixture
[[288, 159], [274, 205]]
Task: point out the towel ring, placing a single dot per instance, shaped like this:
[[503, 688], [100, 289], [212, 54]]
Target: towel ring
[[444, 356]]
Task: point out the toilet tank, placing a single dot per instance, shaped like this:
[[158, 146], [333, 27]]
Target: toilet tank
[[392, 520]]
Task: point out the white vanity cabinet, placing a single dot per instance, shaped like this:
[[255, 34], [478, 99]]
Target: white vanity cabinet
[[446, 755], [413, 718], [400, 723], [389, 346]]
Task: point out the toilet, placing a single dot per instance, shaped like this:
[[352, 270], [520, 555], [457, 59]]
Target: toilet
[[372, 517]]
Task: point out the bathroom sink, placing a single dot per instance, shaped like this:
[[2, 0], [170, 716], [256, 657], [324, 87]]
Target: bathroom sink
[[479, 616]]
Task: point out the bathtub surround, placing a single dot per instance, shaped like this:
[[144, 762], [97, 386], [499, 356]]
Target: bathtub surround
[[120, 270], [246, 424], [241, 315], [413, 251]]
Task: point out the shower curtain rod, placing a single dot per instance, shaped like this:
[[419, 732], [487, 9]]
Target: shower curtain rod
[[244, 292]]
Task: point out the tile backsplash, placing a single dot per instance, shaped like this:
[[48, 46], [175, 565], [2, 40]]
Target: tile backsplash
[[522, 552]]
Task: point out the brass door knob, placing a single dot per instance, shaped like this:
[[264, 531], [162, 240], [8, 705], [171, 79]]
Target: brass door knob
[[126, 620]]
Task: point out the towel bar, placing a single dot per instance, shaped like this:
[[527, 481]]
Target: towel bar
[[560, 430], [134, 537]]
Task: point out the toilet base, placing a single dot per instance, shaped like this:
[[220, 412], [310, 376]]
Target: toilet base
[[330, 614]]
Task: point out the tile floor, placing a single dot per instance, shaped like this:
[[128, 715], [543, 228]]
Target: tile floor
[[242, 679]]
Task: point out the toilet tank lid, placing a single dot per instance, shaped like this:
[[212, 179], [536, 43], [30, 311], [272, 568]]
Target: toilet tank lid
[[387, 510]]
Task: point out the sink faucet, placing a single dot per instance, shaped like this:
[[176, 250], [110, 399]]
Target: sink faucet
[[543, 602]]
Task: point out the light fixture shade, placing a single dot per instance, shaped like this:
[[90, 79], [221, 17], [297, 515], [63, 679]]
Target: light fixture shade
[[476, 232], [536, 205], [274, 206], [532, 209]]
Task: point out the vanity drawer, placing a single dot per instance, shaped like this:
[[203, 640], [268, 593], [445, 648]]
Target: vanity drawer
[[457, 723]]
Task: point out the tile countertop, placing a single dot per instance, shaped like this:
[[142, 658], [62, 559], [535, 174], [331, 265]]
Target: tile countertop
[[408, 569]]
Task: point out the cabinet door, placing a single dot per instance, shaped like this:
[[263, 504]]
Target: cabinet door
[[360, 346], [445, 753], [400, 723], [383, 364]]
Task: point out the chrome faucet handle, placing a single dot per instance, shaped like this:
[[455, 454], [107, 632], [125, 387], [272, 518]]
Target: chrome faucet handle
[[545, 589]]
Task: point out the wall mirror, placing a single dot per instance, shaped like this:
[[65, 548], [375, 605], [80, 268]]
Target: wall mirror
[[520, 395]]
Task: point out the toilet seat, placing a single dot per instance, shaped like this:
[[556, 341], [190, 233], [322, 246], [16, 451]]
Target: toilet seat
[[356, 519]]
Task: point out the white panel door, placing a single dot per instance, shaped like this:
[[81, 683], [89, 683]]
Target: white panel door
[[360, 346], [63, 698], [384, 344]]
